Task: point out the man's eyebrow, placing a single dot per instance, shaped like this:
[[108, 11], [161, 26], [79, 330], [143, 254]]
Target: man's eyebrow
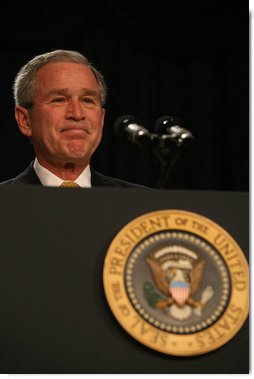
[[90, 92], [58, 91], [65, 92]]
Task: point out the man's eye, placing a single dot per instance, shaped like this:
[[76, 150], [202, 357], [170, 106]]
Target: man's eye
[[58, 100], [89, 100]]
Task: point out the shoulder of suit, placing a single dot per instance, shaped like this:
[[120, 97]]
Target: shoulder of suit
[[101, 180], [28, 176]]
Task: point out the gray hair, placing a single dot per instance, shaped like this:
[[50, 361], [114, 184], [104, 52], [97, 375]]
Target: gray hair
[[24, 84]]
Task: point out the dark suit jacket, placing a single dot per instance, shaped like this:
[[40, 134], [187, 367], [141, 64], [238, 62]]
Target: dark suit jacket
[[97, 180]]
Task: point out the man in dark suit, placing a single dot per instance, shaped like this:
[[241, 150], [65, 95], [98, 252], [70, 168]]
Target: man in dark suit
[[59, 99], [29, 176]]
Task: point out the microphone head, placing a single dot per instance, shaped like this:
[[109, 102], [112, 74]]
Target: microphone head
[[129, 129], [122, 123], [165, 122], [170, 130]]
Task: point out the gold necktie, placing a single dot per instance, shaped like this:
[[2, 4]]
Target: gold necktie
[[69, 183]]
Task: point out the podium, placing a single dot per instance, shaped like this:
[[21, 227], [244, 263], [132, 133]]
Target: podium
[[54, 317]]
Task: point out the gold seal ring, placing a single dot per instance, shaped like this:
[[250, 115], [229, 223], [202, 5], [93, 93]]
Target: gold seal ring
[[177, 282]]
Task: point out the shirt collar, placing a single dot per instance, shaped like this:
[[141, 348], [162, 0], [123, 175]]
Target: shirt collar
[[50, 180]]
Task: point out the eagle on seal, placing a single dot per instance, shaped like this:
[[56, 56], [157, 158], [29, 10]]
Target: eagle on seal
[[177, 273]]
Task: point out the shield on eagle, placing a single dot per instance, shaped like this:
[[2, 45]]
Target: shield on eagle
[[180, 291]]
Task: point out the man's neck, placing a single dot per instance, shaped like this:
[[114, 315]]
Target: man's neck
[[66, 171]]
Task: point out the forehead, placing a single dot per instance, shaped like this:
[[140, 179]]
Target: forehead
[[65, 75]]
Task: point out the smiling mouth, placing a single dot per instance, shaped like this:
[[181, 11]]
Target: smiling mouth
[[75, 130], [74, 133]]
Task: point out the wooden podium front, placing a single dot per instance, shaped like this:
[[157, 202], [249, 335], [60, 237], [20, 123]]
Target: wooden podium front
[[54, 316]]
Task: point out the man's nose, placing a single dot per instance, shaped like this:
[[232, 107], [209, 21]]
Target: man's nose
[[74, 110]]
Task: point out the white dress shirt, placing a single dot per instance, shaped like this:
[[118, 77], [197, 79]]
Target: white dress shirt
[[50, 180]]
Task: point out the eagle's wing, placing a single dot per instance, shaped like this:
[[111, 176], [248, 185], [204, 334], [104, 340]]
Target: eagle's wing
[[196, 275], [158, 275]]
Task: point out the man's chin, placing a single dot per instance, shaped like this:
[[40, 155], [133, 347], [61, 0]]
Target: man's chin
[[77, 150], [76, 157]]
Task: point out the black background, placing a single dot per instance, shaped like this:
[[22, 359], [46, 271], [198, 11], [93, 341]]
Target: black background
[[187, 58]]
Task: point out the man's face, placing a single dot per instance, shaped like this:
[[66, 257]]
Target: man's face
[[66, 119]]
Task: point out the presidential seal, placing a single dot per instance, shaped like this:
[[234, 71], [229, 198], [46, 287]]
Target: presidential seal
[[177, 282]]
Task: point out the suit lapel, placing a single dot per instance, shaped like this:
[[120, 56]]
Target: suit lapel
[[27, 177]]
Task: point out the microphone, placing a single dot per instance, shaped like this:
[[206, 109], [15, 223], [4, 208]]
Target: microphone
[[128, 128], [168, 127]]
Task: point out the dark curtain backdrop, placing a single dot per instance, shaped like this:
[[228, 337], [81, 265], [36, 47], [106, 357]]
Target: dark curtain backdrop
[[186, 58]]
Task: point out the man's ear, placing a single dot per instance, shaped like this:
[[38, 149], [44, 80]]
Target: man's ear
[[23, 120]]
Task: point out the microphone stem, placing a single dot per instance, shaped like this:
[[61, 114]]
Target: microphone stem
[[158, 155], [165, 170]]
